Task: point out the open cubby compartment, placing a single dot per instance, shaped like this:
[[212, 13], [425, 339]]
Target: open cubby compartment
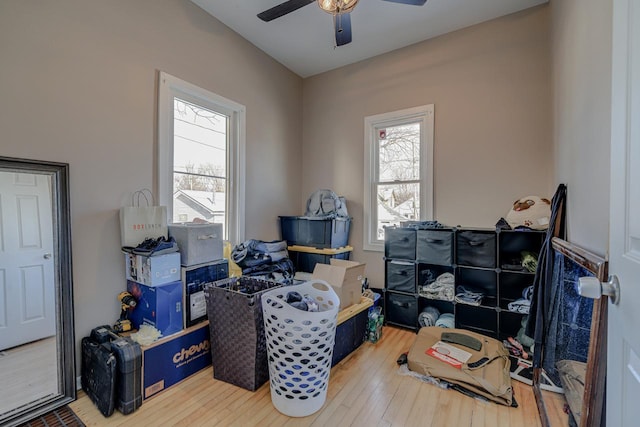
[[511, 244], [509, 324], [479, 280], [477, 319], [428, 273], [435, 246], [442, 306], [512, 285], [401, 276], [400, 243]]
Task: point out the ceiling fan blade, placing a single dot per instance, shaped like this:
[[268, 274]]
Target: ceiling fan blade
[[412, 2], [342, 25], [282, 9]]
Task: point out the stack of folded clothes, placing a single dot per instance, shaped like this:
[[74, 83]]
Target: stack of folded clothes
[[268, 260], [441, 289], [466, 296], [522, 305]]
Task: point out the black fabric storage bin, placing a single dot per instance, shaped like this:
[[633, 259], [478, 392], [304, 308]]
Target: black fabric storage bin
[[236, 325], [401, 309], [400, 243], [476, 248], [318, 233], [401, 276], [434, 246]]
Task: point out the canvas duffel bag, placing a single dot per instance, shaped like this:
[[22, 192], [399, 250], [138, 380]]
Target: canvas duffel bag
[[447, 354]]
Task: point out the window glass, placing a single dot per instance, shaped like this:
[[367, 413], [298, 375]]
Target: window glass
[[199, 163], [399, 148], [201, 156], [398, 171]]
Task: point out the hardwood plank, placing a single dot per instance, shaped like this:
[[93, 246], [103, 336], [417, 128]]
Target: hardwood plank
[[365, 389], [28, 373]]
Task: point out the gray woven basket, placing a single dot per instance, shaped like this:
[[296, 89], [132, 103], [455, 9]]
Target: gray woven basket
[[238, 346]]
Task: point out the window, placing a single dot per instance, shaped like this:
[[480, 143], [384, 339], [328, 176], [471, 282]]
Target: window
[[398, 173], [200, 156]]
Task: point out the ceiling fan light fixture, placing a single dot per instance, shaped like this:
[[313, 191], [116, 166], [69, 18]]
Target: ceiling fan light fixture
[[337, 7]]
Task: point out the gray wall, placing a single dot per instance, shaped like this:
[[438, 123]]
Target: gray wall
[[491, 88], [78, 83], [581, 40]]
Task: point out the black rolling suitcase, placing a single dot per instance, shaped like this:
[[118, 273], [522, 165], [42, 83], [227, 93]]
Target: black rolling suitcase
[[98, 375], [128, 396], [128, 379]]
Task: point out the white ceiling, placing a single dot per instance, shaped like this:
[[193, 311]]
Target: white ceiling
[[304, 42]]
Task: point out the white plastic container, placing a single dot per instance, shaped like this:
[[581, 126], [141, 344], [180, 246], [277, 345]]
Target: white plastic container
[[300, 347]]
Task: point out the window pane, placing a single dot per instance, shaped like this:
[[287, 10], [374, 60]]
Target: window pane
[[200, 158], [198, 197], [399, 153], [200, 139], [397, 202]]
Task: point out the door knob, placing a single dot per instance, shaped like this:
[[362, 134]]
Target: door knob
[[591, 287], [47, 256]]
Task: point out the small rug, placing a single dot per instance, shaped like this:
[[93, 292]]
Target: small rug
[[61, 417]]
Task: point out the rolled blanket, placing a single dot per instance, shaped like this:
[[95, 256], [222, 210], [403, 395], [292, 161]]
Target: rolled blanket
[[446, 320], [429, 316]]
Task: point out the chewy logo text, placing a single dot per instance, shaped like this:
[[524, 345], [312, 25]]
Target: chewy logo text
[[186, 353]]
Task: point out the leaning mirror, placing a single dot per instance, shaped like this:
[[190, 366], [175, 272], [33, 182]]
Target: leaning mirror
[[36, 302]]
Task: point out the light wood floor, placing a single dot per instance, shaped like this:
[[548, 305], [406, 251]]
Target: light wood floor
[[29, 372], [365, 389]]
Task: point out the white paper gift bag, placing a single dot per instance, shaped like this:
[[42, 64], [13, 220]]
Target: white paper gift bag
[[142, 220]]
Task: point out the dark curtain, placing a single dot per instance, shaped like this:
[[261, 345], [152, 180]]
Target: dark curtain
[[539, 314]]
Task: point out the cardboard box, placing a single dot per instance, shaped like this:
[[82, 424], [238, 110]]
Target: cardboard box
[[345, 277], [170, 360], [152, 270], [159, 306], [198, 243]]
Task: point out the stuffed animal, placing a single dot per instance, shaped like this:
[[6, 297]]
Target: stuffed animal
[[531, 211]]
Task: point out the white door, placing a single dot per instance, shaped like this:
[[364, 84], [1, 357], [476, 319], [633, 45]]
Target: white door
[[623, 347], [27, 281]]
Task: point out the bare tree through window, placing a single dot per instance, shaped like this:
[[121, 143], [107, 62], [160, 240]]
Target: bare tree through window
[[398, 189]]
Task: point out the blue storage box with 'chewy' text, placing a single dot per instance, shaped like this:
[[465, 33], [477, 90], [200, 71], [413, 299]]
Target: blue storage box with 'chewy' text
[[170, 360], [159, 306]]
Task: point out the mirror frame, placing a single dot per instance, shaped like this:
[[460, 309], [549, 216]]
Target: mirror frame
[[65, 335], [595, 382]]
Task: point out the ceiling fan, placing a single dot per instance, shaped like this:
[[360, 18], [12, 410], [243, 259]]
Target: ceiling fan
[[340, 9]]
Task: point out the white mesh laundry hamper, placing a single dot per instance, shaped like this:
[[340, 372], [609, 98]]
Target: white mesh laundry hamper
[[300, 347]]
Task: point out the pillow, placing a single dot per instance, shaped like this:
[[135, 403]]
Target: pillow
[[531, 211]]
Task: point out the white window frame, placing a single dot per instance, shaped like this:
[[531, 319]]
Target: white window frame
[[170, 87], [422, 114]]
